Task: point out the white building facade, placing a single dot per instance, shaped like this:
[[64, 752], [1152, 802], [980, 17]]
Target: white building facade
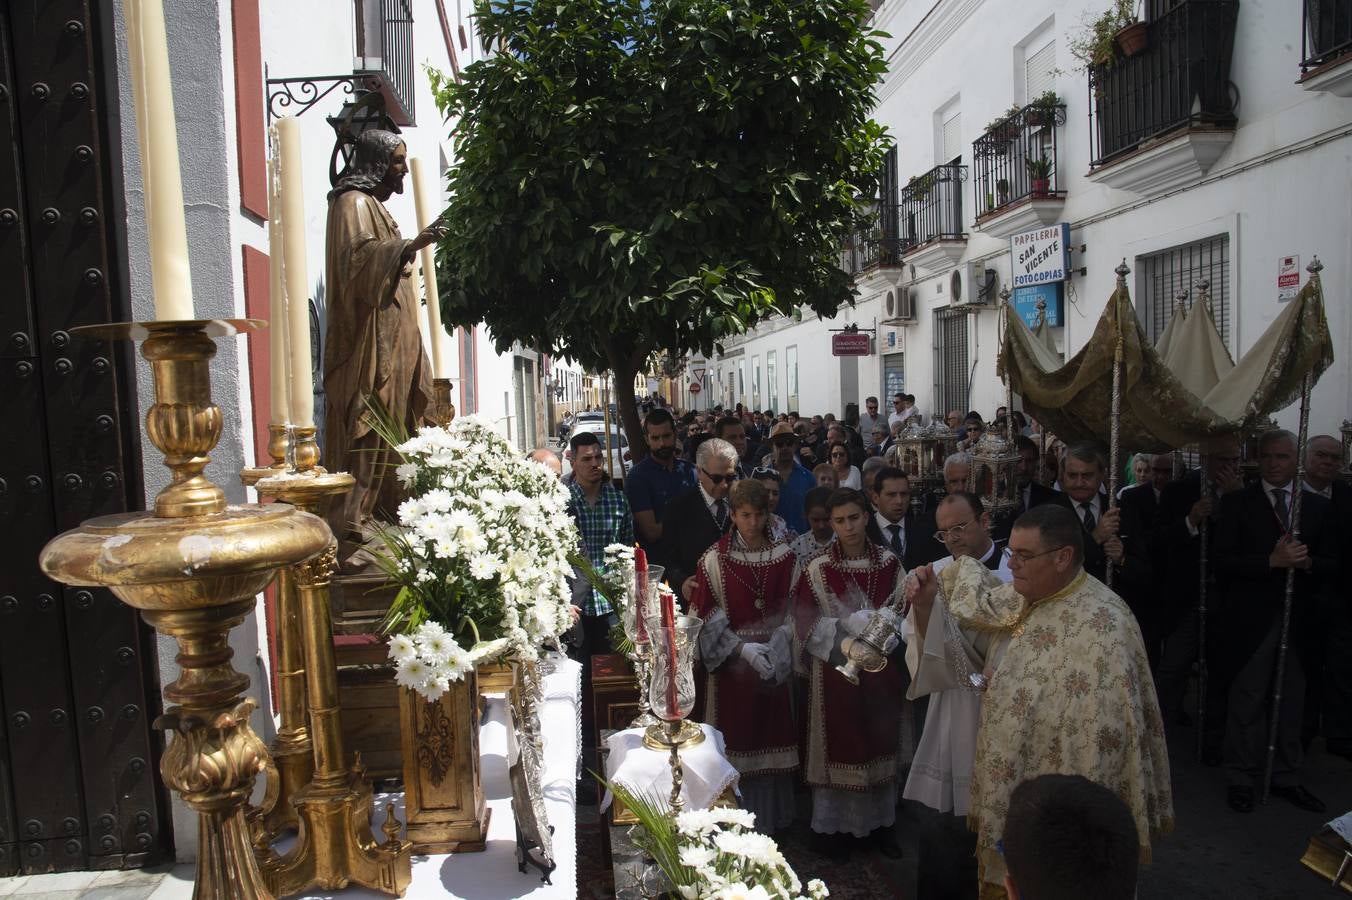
[[1188, 169]]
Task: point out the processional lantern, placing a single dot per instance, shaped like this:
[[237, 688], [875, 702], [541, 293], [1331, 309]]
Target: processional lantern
[[995, 459], [911, 450]]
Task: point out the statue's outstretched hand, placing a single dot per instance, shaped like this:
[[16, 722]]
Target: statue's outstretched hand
[[428, 236]]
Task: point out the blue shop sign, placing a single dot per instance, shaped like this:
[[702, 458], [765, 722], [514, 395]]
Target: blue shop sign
[[1026, 298]]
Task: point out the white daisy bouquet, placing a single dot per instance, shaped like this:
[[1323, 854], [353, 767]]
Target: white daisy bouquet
[[480, 553], [714, 853]]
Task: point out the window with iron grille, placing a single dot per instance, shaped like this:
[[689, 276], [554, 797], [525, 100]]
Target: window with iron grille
[[950, 360], [1172, 275]]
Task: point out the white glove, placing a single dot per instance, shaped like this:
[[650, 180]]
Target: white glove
[[757, 656], [856, 622]]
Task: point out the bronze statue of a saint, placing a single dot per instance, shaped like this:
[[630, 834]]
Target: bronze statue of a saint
[[372, 343]]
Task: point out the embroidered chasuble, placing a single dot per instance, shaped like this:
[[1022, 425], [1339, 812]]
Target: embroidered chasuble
[[1071, 693]]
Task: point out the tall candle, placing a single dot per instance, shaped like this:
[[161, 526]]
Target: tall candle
[[157, 137], [292, 196], [669, 628], [422, 207], [277, 349], [641, 593]]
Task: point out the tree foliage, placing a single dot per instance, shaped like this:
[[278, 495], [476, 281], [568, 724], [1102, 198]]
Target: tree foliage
[[638, 175]]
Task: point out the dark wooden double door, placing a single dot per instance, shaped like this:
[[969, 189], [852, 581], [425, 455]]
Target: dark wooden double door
[[79, 787]]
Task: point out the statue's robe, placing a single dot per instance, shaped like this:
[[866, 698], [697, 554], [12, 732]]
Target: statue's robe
[[1072, 694], [372, 347]]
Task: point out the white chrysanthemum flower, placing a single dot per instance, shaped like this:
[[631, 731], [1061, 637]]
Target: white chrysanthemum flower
[[740, 891], [696, 856], [727, 815], [695, 822], [433, 687], [411, 673], [406, 473], [402, 648], [483, 567], [436, 648], [817, 890]]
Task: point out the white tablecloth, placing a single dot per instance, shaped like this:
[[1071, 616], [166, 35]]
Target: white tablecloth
[[705, 770], [492, 874]]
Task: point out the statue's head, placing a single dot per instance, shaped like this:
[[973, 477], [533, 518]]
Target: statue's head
[[379, 164]]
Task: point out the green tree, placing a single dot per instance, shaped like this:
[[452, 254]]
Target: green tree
[[643, 175]]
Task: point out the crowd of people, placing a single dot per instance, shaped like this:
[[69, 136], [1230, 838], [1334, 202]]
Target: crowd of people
[[1010, 658]]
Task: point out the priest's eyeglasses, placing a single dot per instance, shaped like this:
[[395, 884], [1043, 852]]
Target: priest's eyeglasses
[[944, 535], [1023, 556]]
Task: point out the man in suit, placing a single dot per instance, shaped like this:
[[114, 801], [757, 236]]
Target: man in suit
[[1331, 692], [1140, 503], [907, 533], [1111, 535], [699, 517], [1176, 545], [1255, 550]]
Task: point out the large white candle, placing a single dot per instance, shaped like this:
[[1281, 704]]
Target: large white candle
[[157, 135], [292, 196], [422, 207], [277, 349]]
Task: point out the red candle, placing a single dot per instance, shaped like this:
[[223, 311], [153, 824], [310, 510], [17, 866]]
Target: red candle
[[669, 627], [641, 593]]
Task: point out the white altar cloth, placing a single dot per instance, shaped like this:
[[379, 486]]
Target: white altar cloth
[[492, 874], [705, 770]]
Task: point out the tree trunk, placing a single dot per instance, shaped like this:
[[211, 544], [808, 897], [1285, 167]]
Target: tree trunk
[[625, 366]]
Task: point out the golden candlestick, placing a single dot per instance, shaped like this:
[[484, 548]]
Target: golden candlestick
[[277, 446], [193, 568], [441, 411], [335, 846]]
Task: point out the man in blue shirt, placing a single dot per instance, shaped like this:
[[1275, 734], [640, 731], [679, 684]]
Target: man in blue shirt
[[795, 480], [657, 478]]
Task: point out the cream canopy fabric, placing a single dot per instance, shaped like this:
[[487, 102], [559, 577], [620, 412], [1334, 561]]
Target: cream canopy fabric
[[1166, 406]]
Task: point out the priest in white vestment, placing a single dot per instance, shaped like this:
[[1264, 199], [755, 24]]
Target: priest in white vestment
[[1070, 691]]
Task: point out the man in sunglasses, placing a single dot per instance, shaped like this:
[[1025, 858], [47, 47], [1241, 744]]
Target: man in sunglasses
[[698, 518], [795, 479], [1065, 681]]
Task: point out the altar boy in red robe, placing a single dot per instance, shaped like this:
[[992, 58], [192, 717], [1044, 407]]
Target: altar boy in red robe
[[853, 731], [744, 593]]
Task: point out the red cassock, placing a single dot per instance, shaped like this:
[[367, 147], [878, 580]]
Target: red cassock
[[754, 590], [853, 731]]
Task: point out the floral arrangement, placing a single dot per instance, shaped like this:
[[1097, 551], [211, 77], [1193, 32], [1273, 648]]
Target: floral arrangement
[[715, 853], [480, 554]]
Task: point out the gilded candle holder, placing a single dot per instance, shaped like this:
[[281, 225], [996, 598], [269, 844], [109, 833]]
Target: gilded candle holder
[[672, 694], [193, 567], [441, 411]]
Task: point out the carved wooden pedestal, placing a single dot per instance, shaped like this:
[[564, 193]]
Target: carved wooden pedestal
[[443, 792]]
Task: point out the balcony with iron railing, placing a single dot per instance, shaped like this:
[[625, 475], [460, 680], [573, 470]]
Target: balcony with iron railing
[[876, 246], [1017, 164], [1326, 46], [1162, 116], [930, 226], [385, 53]]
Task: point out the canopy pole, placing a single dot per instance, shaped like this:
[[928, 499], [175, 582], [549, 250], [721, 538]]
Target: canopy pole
[[1297, 489], [1204, 483], [1115, 420]]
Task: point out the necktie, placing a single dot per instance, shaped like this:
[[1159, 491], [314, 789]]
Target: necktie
[[1089, 520], [1279, 505], [895, 543], [721, 514]]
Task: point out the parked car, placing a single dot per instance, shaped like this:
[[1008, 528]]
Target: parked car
[[617, 446]]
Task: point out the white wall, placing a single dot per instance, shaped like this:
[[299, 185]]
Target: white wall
[[1279, 188]]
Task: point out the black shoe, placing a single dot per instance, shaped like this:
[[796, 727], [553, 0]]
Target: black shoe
[[1297, 794], [884, 843], [1240, 798], [1211, 757]]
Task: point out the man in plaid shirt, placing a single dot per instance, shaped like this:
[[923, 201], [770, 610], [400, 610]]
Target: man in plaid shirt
[[603, 518]]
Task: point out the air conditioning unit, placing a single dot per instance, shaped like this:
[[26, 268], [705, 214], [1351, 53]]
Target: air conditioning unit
[[973, 285], [899, 306]]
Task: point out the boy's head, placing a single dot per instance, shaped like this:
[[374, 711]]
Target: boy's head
[[818, 517], [1067, 838]]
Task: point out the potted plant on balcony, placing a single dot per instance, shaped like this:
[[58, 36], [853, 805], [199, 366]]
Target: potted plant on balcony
[[1042, 111], [990, 202], [1096, 46], [1039, 173], [919, 186], [1002, 190]]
